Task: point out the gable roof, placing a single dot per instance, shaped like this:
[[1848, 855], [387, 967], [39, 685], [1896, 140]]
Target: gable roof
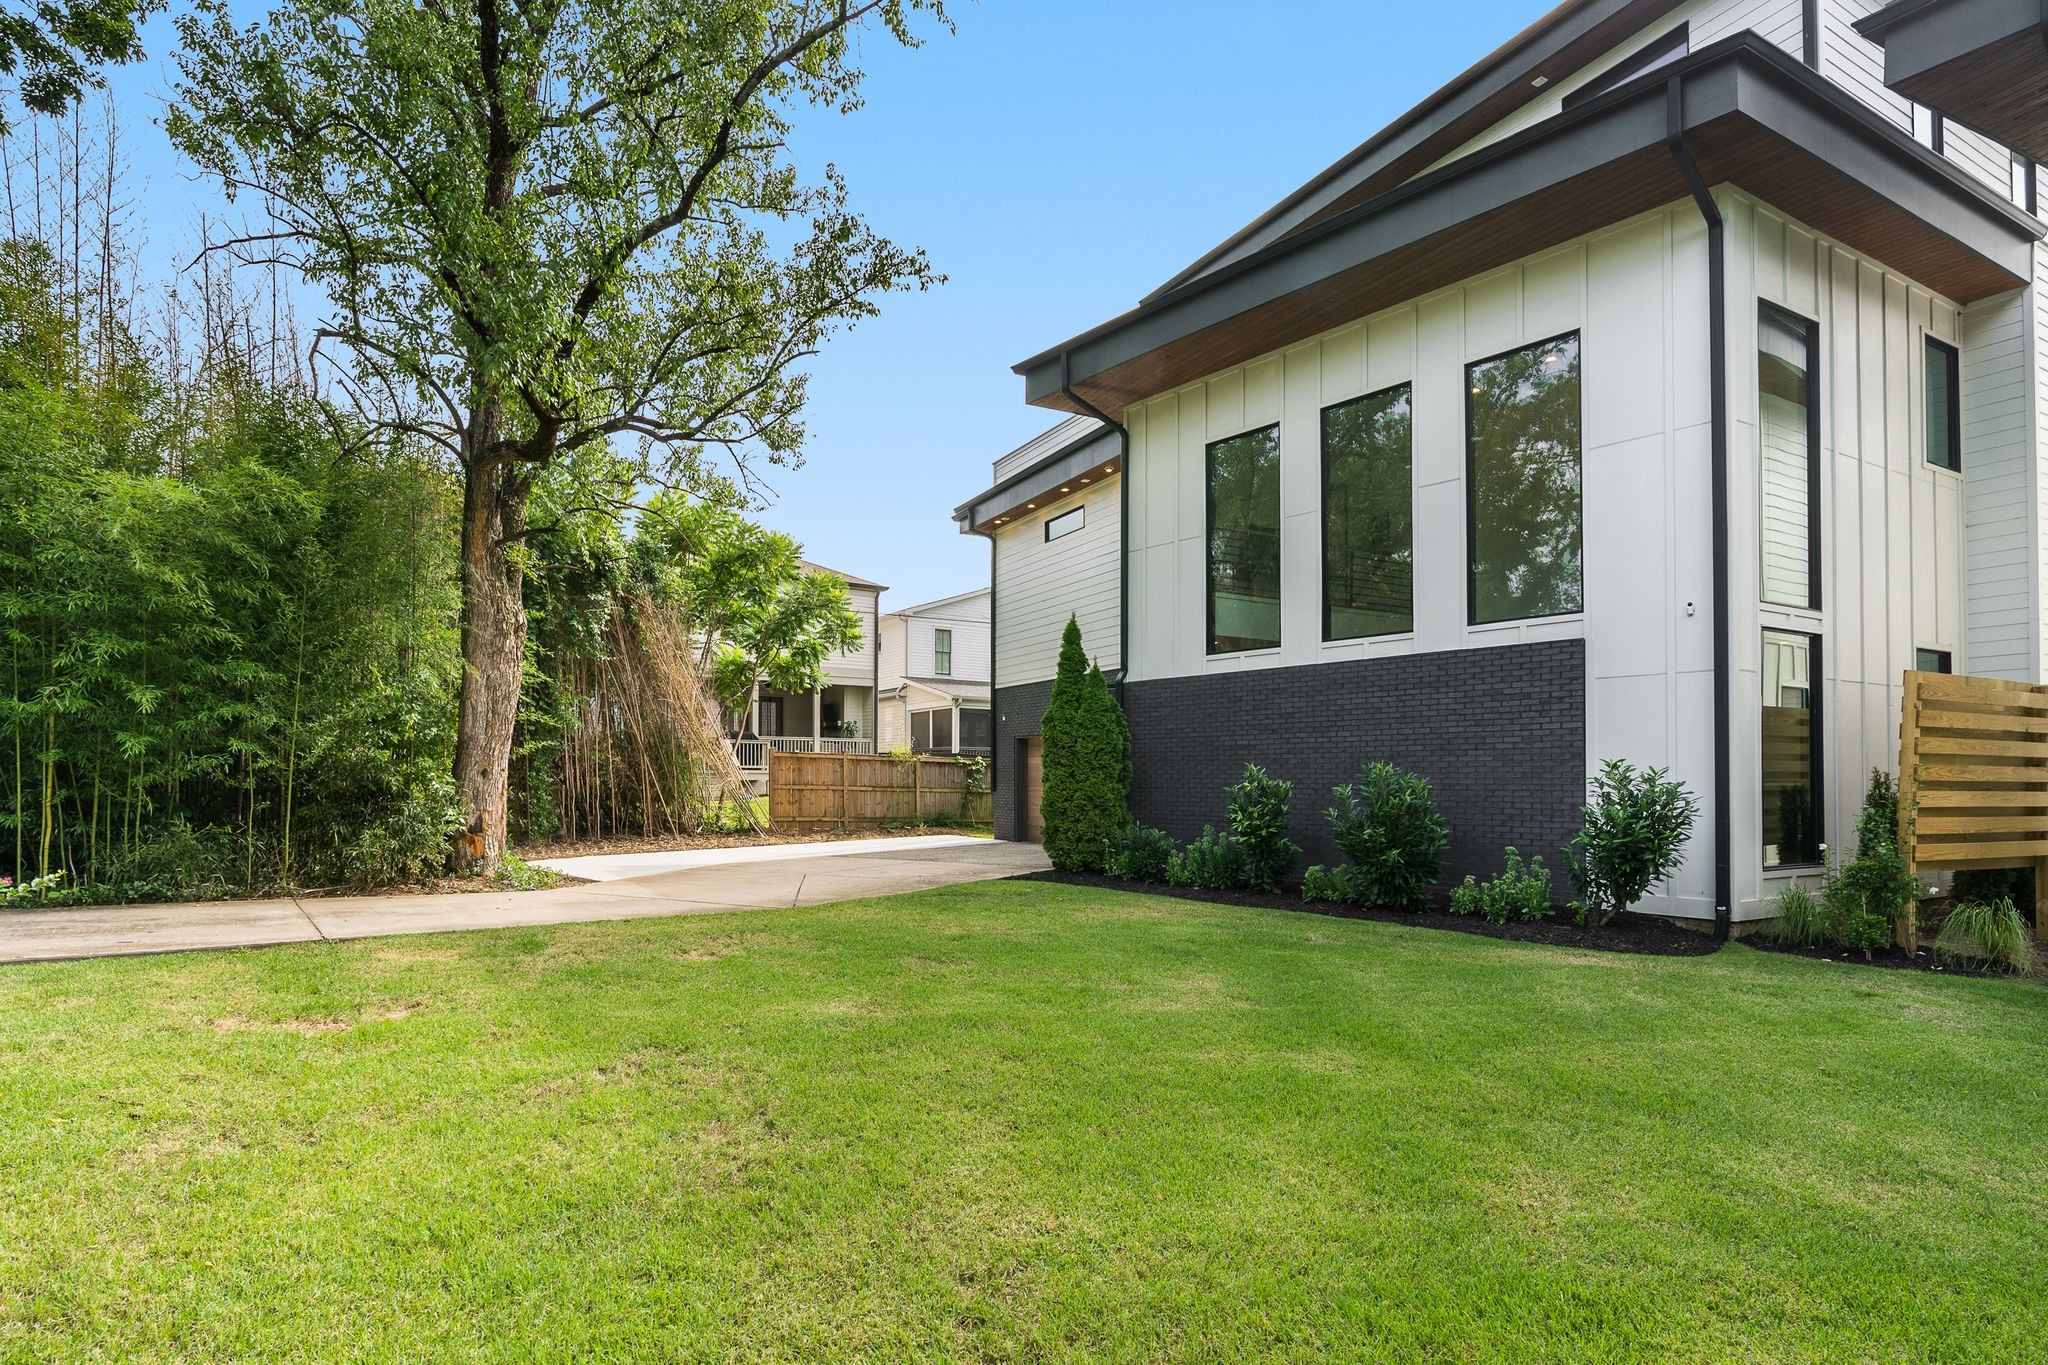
[[852, 581], [936, 603]]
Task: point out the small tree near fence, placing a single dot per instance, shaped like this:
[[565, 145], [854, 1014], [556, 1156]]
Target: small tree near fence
[[1087, 756]]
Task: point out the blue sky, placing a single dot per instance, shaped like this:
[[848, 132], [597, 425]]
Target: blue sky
[[1058, 159]]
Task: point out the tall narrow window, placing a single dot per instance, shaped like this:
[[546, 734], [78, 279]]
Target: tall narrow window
[[1522, 454], [1368, 517], [1792, 833], [1244, 542], [1943, 384], [1789, 470], [942, 651]]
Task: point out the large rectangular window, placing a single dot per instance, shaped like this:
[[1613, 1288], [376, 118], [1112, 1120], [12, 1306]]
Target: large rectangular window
[[1943, 385], [1792, 833], [1368, 517], [1523, 511], [1244, 542], [1788, 476]]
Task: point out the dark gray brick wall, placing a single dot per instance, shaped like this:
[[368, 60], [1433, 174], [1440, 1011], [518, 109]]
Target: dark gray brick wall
[[1500, 732], [1018, 713]]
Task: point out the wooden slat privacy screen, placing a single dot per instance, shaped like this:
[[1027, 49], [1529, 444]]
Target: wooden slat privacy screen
[[1973, 777], [842, 791]]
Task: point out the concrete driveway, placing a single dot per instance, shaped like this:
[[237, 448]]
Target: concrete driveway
[[809, 874]]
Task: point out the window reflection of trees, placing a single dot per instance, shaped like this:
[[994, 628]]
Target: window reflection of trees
[[1244, 541], [1526, 499], [1368, 510]]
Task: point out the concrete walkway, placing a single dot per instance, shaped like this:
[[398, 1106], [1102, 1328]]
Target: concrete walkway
[[884, 867], [611, 867]]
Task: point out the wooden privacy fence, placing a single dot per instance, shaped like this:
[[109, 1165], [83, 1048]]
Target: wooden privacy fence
[[843, 791], [1973, 777]]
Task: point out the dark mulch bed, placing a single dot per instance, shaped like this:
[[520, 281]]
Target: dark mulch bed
[[1895, 957], [1628, 934]]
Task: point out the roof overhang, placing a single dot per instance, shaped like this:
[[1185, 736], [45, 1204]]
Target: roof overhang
[[1752, 117], [1062, 472], [1983, 63]]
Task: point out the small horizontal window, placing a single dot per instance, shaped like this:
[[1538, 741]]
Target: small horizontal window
[[1933, 661], [1065, 524]]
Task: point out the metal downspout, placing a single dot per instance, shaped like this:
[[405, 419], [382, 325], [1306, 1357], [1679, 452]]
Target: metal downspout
[[1717, 330]]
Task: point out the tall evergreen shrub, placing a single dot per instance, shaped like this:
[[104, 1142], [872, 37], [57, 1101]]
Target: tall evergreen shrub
[[1087, 756]]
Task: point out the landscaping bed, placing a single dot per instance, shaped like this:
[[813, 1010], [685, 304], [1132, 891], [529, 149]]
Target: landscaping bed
[[1624, 934]]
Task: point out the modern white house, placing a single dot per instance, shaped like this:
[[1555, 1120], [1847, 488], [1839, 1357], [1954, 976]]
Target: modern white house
[[1662, 388], [840, 716], [935, 676]]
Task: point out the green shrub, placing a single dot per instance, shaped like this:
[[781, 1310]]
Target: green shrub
[[1087, 757], [1631, 836], [1321, 883], [1863, 898], [1258, 821], [1992, 933], [2015, 884], [1139, 854], [1517, 895], [1388, 826], [1798, 917], [1214, 862]]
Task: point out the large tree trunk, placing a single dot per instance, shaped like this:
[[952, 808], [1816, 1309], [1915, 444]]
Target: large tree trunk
[[493, 646]]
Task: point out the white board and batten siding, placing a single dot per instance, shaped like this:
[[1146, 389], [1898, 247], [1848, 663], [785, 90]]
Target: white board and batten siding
[[1040, 583], [1636, 294], [1892, 527]]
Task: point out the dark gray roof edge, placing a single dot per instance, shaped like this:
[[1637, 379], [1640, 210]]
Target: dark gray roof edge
[[1068, 460], [1541, 39], [1835, 104], [1878, 22]]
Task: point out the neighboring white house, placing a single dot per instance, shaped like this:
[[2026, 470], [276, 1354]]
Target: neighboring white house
[[1662, 388], [840, 716], [935, 676]]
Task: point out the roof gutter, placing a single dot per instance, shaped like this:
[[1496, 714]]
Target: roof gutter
[[1717, 331], [1123, 524]]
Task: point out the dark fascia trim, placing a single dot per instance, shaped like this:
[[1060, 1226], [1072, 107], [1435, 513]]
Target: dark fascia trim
[[1918, 35], [1744, 74], [1678, 39], [1493, 74], [1050, 472]]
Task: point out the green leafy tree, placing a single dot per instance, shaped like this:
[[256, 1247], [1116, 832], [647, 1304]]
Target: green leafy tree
[[756, 609], [543, 227], [53, 48], [1087, 757]]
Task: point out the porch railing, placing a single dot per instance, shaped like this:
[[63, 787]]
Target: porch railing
[[753, 753]]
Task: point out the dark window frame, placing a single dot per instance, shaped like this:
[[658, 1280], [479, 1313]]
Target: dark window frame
[[1077, 515], [1952, 366], [1669, 47], [1811, 327], [1816, 690], [1323, 509], [1209, 542], [1945, 660], [1576, 334]]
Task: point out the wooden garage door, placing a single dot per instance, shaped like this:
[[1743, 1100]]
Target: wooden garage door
[[1034, 788]]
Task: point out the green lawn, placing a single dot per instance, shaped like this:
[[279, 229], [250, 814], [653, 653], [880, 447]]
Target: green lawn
[[1021, 1121]]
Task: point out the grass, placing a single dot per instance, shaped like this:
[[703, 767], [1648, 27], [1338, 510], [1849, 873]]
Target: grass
[[1016, 1121]]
